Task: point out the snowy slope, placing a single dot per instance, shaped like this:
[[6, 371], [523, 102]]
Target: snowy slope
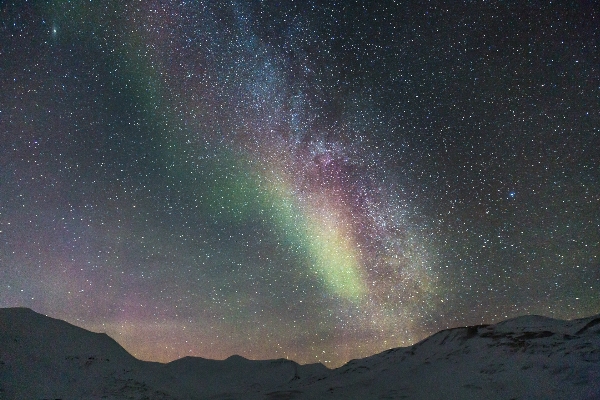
[[528, 357], [524, 358]]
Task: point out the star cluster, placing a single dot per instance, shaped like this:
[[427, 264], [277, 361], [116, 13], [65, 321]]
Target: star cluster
[[312, 180]]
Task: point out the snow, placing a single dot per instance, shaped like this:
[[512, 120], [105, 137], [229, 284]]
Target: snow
[[530, 357]]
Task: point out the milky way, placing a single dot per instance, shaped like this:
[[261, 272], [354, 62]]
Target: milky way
[[312, 180]]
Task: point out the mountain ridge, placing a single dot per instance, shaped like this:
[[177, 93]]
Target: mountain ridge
[[524, 357]]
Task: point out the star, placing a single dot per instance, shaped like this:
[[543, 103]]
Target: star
[[315, 181]]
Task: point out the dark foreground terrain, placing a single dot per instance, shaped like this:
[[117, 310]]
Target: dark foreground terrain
[[529, 357]]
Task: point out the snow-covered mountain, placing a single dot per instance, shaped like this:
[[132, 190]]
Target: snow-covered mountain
[[529, 357]]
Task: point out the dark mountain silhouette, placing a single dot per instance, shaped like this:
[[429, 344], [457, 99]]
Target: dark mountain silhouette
[[530, 357]]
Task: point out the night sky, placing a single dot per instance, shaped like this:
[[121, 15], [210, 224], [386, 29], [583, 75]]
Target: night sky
[[313, 180]]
